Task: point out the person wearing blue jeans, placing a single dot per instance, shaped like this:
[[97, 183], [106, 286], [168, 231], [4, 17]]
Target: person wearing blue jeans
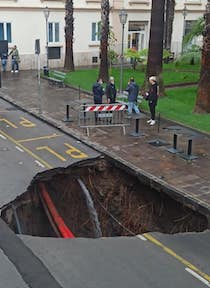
[[133, 92], [15, 59]]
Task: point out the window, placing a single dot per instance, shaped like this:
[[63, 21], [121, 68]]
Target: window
[[53, 32], [5, 32], [54, 52], [96, 31], [188, 26]]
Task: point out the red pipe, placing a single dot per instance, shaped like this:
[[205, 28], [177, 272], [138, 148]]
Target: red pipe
[[63, 229]]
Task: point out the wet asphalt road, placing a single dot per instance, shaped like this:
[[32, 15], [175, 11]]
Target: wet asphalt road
[[29, 146]]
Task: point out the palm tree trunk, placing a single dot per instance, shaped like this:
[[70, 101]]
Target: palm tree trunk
[[168, 27], [69, 33], [203, 97], [104, 66], [155, 54]]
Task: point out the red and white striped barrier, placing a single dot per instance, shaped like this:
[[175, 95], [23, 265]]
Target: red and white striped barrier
[[106, 107]]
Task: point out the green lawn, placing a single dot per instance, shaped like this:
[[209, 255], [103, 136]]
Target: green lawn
[[178, 105], [86, 78]]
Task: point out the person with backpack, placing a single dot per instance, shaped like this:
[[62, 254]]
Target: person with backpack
[[133, 92], [152, 98]]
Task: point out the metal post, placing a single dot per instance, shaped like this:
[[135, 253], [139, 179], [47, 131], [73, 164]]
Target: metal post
[[122, 58], [189, 148], [174, 149], [47, 42], [67, 119], [0, 79], [137, 126], [39, 85], [184, 12], [158, 126]]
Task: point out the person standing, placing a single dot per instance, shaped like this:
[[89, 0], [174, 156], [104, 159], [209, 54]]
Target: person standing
[[4, 61], [15, 59], [152, 98], [133, 92], [98, 91], [111, 91]]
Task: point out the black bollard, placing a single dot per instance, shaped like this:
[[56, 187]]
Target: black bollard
[[189, 147], [137, 133], [67, 119], [84, 113], [189, 155], [174, 149], [137, 126]]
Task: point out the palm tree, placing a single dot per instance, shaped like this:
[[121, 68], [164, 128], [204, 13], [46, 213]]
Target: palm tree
[[103, 70], [69, 32], [168, 27], [203, 97], [155, 54]]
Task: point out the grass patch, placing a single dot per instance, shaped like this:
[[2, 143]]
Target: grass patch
[[179, 105], [86, 78]]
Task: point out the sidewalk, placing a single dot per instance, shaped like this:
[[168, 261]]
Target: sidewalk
[[187, 181]]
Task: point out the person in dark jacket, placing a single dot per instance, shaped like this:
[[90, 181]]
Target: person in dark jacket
[[98, 91], [133, 91], [152, 98], [111, 91]]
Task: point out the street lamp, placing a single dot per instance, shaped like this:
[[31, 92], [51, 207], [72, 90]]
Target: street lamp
[[123, 19], [184, 13], [46, 15]]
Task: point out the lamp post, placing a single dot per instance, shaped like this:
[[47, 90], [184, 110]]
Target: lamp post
[[123, 19], [46, 15], [184, 13]]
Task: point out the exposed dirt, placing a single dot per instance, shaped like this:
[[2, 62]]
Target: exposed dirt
[[123, 204]]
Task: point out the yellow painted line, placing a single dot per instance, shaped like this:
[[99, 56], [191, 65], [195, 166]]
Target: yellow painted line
[[27, 123], [38, 138], [27, 150], [8, 122], [176, 256], [53, 152], [74, 152]]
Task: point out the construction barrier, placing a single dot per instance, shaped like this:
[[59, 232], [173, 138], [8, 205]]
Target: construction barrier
[[103, 115]]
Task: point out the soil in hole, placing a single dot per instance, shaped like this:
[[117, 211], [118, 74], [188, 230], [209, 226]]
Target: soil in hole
[[123, 204]]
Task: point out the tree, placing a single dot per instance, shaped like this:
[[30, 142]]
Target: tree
[[203, 97], [155, 54], [168, 26], [69, 33], [104, 65]]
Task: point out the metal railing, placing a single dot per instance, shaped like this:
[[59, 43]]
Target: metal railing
[[103, 115]]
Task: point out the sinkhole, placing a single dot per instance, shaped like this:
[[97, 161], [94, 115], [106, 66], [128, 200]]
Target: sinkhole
[[96, 198]]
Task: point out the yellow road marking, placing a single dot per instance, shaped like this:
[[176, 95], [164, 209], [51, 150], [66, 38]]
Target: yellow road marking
[[38, 138], [26, 123], [179, 258], [74, 152], [26, 150], [53, 152], [8, 122]]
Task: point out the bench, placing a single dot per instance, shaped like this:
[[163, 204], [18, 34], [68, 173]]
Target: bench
[[57, 78]]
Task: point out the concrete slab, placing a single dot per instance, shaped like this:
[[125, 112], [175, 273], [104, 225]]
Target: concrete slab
[[9, 276], [111, 262]]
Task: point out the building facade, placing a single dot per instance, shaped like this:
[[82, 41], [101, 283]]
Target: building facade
[[23, 21]]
